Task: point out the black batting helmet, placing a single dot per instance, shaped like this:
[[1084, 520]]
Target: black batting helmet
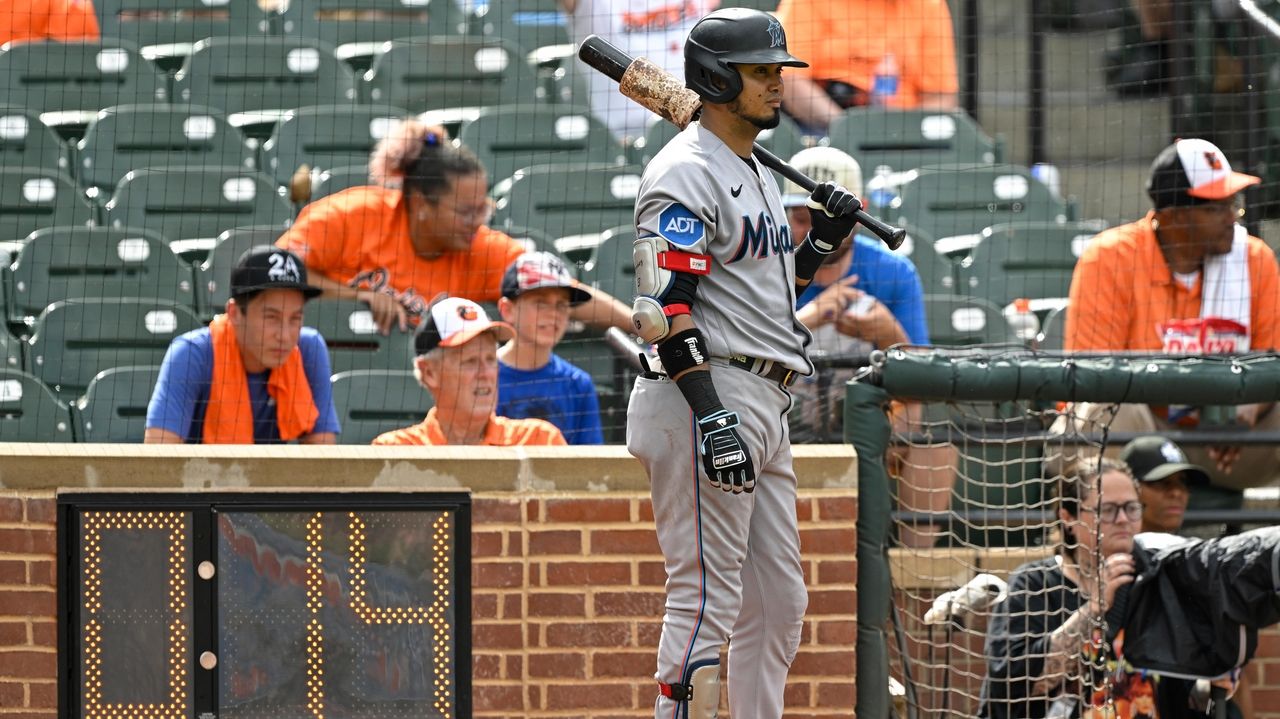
[[728, 37]]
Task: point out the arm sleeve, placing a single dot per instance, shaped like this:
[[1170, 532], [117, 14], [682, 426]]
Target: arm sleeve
[[184, 380], [319, 237], [937, 71], [586, 413], [1018, 637], [1265, 281], [315, 361], [1095, 316]]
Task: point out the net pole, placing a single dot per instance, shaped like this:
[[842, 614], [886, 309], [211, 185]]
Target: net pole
[[867, 427]]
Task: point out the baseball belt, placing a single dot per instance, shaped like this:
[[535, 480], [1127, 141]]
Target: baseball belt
[[770, 370]]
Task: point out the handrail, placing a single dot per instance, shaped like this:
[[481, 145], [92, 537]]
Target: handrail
[[1259, 18]]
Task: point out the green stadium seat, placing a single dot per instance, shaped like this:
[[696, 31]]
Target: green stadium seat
[[1053, 332], [326, 136], [784, 140], [25, 141], [907, 139], [353, 339], [10, 351], [336, 179], [76, 339], [537, 241], [213, 275], [167, 29], [956, 321], [936, 270], [61, 263], [570, 199], [356, 28], [131, 137], [255, 80], [114, 408], [993, 476], [32, 198], [951, 200], [429, 73], [29, 411], [370, 402], [528, 24], [611, 268], [1025, 260], [190, 207], [507, 138], [67, 83], [562, 78]]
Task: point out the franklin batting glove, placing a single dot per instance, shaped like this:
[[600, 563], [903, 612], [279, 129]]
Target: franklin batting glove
[[724, 455], [831, 209]]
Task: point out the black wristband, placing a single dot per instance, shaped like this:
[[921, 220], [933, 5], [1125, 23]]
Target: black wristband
[[700, 393], [808, 259], [683, 350]]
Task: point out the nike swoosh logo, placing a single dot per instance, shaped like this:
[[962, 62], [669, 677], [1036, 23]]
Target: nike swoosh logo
[[735, 191]]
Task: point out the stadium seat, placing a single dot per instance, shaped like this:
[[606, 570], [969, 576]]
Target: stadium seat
[[951, 200], [908, 139], [356, 28], [1031, 260], [190, 207], [29, 411], [61, 263], [784, 140], [76, 339], [10, 351], [1053, 332], [353, 339], [255, 80], [166, 29], [130, 137], [507, 138], [993, 476], [25, 141], [336, 179], [370, 402], [538, 241], [213, 276], [611, 268], [326, 136], [429, 73], [67, 83], [114, 408], [565, 200], [528, 24], [958, 321], [32, 197], [936, 270]]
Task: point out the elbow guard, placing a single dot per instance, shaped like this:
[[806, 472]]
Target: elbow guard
[[666, 283]]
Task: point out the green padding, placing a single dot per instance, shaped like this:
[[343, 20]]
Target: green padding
[[866, 426], [975, 375]]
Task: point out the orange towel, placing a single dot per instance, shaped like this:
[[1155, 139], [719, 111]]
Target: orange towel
[[229, 419]]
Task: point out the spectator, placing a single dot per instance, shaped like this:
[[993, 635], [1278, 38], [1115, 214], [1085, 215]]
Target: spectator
[[654, 29], [47, 20], [253, 376], [391, 248], [907, 61], [1185, 279], [533, 381], [457, 362]]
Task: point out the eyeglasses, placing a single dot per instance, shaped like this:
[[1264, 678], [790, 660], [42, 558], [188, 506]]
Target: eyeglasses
[[479, 214], [1233, 206], [1110, 511]]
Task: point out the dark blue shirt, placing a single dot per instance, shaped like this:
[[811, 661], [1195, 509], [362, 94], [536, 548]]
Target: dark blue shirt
[[891, 279]]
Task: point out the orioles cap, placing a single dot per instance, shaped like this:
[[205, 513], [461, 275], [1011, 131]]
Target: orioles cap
[[1193, 172], [454, 321]]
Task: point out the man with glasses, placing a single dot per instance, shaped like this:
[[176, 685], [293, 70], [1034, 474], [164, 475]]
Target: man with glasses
[[1185, 280]]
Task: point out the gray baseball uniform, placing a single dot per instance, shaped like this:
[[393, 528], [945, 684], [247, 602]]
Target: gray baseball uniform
[[732, 560]]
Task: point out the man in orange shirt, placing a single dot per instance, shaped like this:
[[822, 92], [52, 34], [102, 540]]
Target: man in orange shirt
[[1184, 280], [47, 20], [457, 362], [896, 53]]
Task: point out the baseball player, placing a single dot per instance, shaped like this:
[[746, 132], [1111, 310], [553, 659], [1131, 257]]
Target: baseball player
[[717, 274]]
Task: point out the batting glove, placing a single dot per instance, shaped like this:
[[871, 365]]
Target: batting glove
[[831, 209], [724, 455]]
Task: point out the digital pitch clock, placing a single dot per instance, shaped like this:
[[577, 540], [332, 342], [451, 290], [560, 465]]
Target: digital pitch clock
[[304, 605]]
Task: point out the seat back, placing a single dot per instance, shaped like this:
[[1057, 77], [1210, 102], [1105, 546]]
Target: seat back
[[908, 139], [428, 73], [340, 22], [25, 141], [33, 197], [611, 268], [29, 411], [1053, 335], [951, 200], [936, 270], [114, 408], [956, 321], [213, 276], [1032, 260], [353, 339], [507, 138], [199, 202], [159, 22], [527, 24], [83, 76], [326, 136], [76, 339], [243, 74], [370, 402], [11, 349], [129, 137], [61, 263], [336, 179], [569, 199]]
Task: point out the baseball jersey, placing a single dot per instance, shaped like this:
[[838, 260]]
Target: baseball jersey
[[704, 199]]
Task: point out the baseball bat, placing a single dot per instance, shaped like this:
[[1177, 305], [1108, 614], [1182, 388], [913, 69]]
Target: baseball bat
[[663, 94]]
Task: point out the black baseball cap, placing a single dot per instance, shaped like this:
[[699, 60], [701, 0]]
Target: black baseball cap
[[536, 270], [1155, 458], [454, 321], [267, 267], [1193, 172]]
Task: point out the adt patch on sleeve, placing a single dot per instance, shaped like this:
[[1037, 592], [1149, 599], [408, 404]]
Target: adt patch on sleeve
[[680, 227]]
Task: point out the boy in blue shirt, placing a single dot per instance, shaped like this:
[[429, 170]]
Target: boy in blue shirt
[[537, 292]]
